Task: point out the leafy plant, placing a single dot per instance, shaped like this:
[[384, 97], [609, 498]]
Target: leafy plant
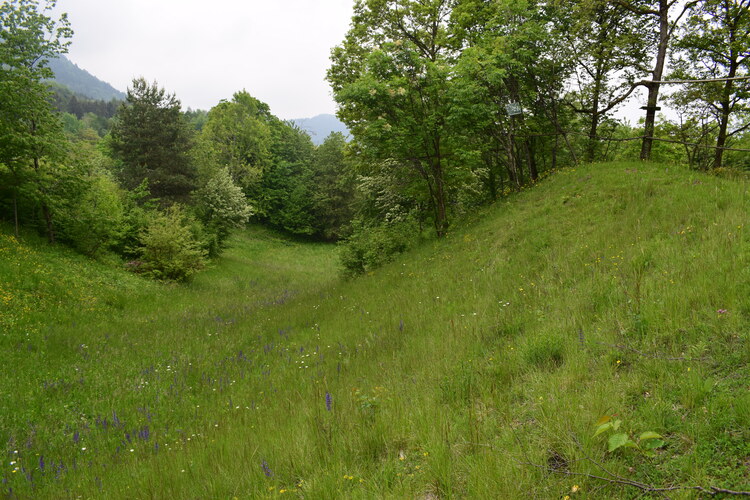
[[647, 442], [169, 250]]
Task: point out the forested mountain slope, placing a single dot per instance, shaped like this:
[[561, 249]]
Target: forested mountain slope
[[82, 82], [477, 366]]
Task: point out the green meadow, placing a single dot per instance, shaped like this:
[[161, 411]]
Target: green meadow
[[611, 296]]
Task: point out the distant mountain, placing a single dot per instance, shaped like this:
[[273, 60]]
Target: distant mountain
[[82, 82], [319, 127]]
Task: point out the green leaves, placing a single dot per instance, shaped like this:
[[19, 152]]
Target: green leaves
[[618, 440], [151, 139], [648, 441]]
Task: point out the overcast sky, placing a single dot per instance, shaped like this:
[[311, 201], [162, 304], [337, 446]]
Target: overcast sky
[[205, 51]]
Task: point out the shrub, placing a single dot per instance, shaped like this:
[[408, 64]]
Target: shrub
[[221, 206], [169, 249], [94, 221], [370, 247]]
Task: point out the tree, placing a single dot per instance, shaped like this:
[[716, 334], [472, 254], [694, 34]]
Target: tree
[[168, 248], [715, 46], [333, 187], [30, 133], [606, 42], [238, 134], [221, 206], [512, 55], [285, 192], [152, 139], [391, 77], [660, 11]]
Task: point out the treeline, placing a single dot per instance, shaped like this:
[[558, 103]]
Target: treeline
[[66, 101], [450, 103], [454, 102], [143, 180]]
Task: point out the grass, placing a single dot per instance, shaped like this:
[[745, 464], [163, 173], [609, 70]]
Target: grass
[[476, 366]]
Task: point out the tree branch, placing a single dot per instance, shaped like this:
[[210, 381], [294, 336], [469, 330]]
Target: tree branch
[[617, 479]]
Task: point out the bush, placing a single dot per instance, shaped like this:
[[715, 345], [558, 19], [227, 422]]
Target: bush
[[169, 249], [94, 221], [371, 247], [221, 206]]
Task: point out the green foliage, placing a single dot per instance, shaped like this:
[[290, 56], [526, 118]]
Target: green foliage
[[151, 139], [237, 135], [391, 78], [30, 133], [169, 248], [369, 247], [333, 188], [91, 216], [611, 47], [285, 192], [713, 45], [647, 442], [221, 205]]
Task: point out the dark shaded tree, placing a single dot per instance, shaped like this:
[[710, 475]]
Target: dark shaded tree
[[151, 139], [333, 188]]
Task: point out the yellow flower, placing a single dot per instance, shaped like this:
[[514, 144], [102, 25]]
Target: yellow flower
[[575, 488]]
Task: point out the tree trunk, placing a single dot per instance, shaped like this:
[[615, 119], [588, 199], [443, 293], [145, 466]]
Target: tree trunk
[[512, 161], [554, 152], [48, 222], [45, 210], [441, 218], [560, 131], [591, 149], [15, 210], [726, 98], [721, 139], [653, 88], [529, 151]]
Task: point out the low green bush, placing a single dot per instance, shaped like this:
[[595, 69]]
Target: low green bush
[[370, 247], [168, 248]]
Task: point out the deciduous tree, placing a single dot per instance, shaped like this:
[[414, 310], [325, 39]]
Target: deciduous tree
[[391, 77], [30, 133], [715, 45]]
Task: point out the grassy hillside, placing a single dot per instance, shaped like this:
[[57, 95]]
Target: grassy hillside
[[477, 366]]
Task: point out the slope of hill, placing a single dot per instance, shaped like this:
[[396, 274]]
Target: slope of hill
[[82, 82], [319, 127], [479, 366]]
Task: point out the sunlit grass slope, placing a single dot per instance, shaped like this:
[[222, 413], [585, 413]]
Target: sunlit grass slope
[[474, 367]]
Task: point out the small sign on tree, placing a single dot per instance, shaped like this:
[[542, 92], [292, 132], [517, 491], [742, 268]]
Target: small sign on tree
[[513, 108]]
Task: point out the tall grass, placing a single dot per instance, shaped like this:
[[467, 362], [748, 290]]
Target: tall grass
[[476, 366]]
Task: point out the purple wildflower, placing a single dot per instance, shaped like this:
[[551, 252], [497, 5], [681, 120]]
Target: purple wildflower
[[266, 469], [144, 433], [41, 463], [722, 311], [401, 326], [76, 437], [329, 401]]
